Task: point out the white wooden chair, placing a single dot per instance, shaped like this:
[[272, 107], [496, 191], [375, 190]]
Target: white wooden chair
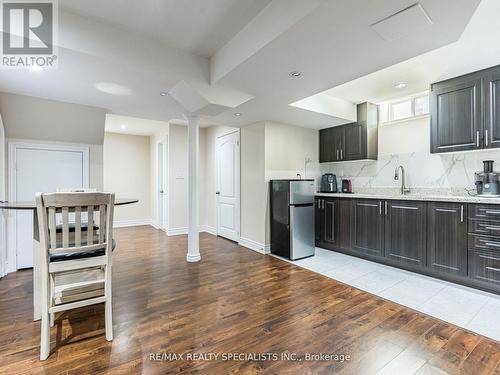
[[76, 249]]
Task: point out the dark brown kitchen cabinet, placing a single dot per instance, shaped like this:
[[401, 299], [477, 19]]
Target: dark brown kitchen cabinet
[[333, 217], [332, 144], [355, 140], [368, 227], [455, 107], [405, 231], [447, 237], [484, 266], [491, 96]]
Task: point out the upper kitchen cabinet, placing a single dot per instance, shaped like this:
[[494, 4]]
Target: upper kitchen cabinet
[[464, 112], [491, 95], [355, 141]]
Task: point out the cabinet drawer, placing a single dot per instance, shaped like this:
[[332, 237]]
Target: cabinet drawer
[[484, 212], [488, 228], [484, 266], [484, 243]]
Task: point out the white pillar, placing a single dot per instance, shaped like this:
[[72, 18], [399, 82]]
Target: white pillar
[[193, 254]]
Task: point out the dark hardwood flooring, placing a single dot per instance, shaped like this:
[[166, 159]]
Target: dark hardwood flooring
[[233, 301]]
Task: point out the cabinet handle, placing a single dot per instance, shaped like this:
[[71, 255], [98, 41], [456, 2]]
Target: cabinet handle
[[493, 269], [338, 154], [486, 137], [462, 213], [490, 227], [385, 208], [341, 155], [492, 212], [477, 139], [495, 244], [380, 208]]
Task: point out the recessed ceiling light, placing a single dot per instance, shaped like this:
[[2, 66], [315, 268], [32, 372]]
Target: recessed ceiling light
[[123, 126], [237, 114], [163, 93], [295, 74], [113, 88], [400, 85]]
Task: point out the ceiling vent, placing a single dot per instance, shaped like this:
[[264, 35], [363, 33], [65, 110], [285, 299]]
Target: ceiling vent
[[407, 21]]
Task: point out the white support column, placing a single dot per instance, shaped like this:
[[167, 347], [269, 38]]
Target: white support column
[[193, 254]]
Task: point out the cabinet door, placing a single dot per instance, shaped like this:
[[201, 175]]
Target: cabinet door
[[355, 139], [329, 220], [447, 237], [491, 95], [368, 234], [318, 220], [326, 145], [339, 143], [342, 224], [456, 115], [405, 232]]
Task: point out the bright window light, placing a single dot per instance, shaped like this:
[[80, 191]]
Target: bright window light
[[404, 108]]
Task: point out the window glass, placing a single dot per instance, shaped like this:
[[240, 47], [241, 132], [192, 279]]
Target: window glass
[[422, 105], [400, 110]]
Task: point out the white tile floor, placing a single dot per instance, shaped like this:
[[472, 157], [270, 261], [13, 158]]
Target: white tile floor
[[469, 308]]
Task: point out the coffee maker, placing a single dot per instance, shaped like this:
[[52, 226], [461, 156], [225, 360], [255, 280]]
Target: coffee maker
[[487, 182], [328, 183]]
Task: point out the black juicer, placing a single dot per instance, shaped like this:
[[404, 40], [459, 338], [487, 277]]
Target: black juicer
[[488, 182]]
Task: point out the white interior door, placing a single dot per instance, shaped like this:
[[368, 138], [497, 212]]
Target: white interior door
[[228, 186], [3, 242], [38, 169], [162, 185]]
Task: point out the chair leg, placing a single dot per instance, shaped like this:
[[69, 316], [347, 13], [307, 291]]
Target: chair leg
[[108, 308], [45, 323], [51, 299]]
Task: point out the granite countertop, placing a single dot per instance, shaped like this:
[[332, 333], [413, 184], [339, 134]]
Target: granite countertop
[[416, 197]]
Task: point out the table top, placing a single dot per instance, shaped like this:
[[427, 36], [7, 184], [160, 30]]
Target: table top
[[32, 205]]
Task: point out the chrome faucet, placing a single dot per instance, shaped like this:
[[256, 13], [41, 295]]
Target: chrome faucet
[[404, 189]]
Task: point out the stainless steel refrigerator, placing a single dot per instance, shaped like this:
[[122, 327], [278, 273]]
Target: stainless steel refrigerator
[[292, 218]]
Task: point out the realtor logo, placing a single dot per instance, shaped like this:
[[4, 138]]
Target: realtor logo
[[29, 34]]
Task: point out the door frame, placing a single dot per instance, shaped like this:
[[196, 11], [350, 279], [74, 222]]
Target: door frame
[[12, 147], [163, 142], [238, 183]]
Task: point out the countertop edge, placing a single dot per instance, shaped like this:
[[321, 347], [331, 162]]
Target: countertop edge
[[424, 198]]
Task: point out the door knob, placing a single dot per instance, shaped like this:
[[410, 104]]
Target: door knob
[[217, 192], [162, 191]]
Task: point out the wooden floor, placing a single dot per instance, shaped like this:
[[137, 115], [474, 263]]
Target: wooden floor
[[233, 301]]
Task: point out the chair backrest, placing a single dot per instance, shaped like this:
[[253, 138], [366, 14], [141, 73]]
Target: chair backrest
[[57, 207]]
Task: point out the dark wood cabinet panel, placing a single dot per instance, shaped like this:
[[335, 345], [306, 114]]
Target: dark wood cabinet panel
[[405, 231], [368, 225], [355, 142], [333, 222], [447, 237], [484, 266], [327, 145], [319, 215], [456, 115], [342, 224], [330, 209], [491, 96]]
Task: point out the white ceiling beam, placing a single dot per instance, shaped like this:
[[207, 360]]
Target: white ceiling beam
[[275, 19], [328, 105]]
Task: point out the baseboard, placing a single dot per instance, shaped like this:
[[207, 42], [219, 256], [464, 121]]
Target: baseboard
[[255, 246], [208, 229], [131, 223], [184, 230]]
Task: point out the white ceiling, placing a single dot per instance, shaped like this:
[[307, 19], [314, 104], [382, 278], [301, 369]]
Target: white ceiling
[[477, 48], [197, 26], [330, 41]]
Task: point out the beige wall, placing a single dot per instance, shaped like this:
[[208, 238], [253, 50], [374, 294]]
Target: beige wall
[[178, 177], [253, 183], [127, 174], [404, 137], [27, 117]]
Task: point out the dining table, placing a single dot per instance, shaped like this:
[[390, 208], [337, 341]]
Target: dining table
[[5, 205]]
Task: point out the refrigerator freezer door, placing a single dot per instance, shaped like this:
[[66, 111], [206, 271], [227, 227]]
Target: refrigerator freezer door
[[301, 192], [301, 231]]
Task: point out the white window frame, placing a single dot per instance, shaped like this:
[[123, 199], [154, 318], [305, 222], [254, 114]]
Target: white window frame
[[412, 99]]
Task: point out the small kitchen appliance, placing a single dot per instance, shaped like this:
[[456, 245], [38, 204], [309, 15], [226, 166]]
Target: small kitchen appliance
[[487, 182], [328, 183], [346, 186]]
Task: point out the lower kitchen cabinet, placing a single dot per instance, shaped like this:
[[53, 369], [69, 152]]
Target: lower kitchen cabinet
[[405, 232], [333, 218], [457, 242], [447, 237], [368, 227]]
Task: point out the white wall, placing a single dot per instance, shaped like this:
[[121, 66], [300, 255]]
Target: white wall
[[127, 174], [405, 137]]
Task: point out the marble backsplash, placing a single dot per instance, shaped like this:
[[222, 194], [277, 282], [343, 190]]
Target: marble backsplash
[[425, 172]]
